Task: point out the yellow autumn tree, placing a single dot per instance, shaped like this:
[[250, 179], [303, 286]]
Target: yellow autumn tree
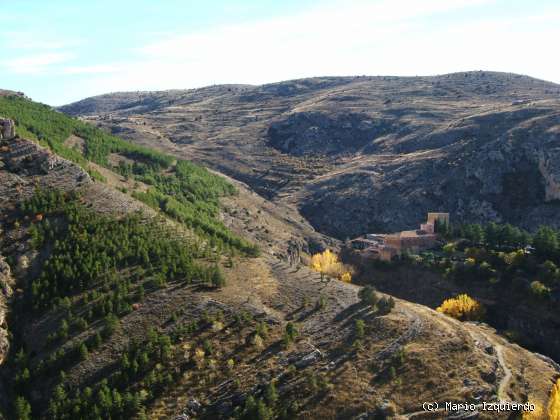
[[554, 402], [537, 414], [327, 263], [462, 307], [346, 277]]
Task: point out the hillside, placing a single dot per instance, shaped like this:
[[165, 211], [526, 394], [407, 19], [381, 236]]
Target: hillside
[[120, 309], [347, 152]]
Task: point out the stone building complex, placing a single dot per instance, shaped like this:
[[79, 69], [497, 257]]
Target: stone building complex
[[387, 246]]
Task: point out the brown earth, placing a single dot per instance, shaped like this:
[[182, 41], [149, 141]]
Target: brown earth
[[363, 154], [327, 371]]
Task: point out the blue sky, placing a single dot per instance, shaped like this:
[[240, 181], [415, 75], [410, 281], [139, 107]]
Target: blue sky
[[60, 51]]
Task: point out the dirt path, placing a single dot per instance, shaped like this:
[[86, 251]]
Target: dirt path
[[501, 391], [478, 334], [504, 383], [414, 329]]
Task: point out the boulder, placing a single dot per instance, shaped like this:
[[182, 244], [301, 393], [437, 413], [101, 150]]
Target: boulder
[[309, 359]]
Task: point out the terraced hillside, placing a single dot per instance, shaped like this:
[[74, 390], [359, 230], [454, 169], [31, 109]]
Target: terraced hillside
[[349, 152], [125, 308]]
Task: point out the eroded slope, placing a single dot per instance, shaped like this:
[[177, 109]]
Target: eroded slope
[[214, 362], [347, 152]]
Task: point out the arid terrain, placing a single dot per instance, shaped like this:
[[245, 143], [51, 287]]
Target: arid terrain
[[312, 162], [444, 359], [348, 152]]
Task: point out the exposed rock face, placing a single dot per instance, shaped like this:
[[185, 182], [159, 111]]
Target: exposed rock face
[[24, 157], [549, 168], [314, 133], [6, 284], [23, 169], [500, 172], [7, 129]]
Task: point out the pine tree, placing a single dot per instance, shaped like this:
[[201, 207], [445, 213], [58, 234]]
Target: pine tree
[[386, 305], [63, 331], [360, 328], [97, 340], [291, 330], [271, 393], [218, 280], [83, 350], [22, 409], [250, 409], [125, 363], [111, 323], [263, 412], [546, 242], [369, 296]]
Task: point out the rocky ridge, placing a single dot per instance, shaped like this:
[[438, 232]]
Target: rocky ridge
[[347, 152]]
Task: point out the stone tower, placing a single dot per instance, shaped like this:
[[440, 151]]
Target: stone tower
[[7, 129]]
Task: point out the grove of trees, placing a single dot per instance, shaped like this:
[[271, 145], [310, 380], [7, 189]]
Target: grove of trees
[[462, 307], [327, 263]]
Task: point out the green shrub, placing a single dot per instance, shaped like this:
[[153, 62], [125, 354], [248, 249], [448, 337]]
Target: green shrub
[[360, 328], [385, 305], [368, 295], [540, 290]]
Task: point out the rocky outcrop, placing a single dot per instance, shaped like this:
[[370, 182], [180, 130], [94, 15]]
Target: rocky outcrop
[[6, 285], [314, 133], [26, 166], [7, 129], [24, 157], [549, 168], [503, 172]]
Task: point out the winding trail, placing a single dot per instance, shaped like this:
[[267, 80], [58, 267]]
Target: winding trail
[[501, 388], [504, 383], [414, 329]]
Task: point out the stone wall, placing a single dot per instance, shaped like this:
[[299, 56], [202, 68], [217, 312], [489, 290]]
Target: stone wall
[[7, 129]]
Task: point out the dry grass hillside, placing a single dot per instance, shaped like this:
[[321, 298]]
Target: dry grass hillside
[[348, 151], [230, 344]]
